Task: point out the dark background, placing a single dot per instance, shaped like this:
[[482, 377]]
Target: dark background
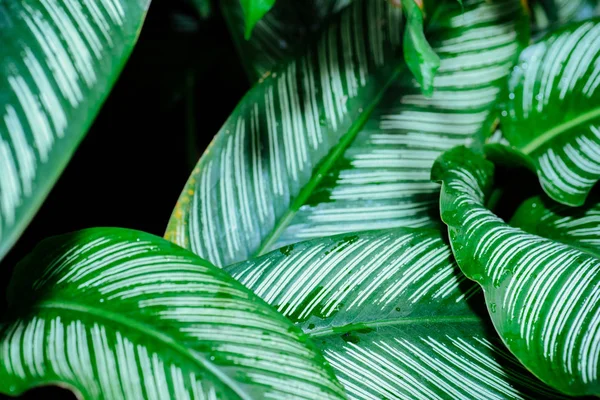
[[181, 82]]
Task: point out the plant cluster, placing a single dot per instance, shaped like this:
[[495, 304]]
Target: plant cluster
[[357, 229]]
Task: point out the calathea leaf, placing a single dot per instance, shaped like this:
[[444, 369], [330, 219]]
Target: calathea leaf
[[551, 114], [381, 178], [548, 13], [281, 35], [393, 315], [543, 296], [58, 61], [579, 226], [113, 313], [285, 134]]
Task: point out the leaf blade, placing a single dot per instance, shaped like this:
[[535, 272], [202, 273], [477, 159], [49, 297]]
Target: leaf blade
[[120, 313], [534, 287], [560, 145], [58, 62], [392, 314]]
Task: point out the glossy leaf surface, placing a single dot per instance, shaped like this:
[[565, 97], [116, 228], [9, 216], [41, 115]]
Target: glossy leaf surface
[[284, 135], [543, 296], [577, 226], [58, 61], [420, 58], [393, 315], [381, 178], [113, 313], [552, 113]]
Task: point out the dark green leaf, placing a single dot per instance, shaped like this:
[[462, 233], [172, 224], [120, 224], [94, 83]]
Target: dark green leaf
[[203, 7], [381, 179], [552, 114], [113, 313], [392, 314], [58, 61], [543, 296], [284, 136], [579, 227]]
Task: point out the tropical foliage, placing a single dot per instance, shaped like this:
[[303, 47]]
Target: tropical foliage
[[357, 229]]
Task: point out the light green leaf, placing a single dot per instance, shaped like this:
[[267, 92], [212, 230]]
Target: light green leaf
[[254, 10], [281, 35], [543, 296], [284, 136], [552, 115], [421, 59], [381, 179], [578, 226], [392, 314], [58, 61], [113, 313]]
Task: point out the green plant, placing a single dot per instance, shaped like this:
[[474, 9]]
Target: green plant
[[344, 235]]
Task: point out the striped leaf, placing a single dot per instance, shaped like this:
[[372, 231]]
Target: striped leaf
[[380, 178], [552, 115], [393, 315], [119, 314], [543, 296], [281, 35], [58, 61], [548, 13], [578, 226], [284, 135]]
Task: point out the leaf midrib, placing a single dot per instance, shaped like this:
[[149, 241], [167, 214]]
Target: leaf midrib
[[558, 130], [330, 331], [148, 330], [324, 167]]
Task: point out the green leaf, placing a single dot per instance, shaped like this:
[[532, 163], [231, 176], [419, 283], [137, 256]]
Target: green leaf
[[549, 13], [113, 313], [58, 62], [281, 35], [552, 114], [381, 178], [579, 227], [543, 296], [284, 136], [392, 314], [254, 10], [421, 59]]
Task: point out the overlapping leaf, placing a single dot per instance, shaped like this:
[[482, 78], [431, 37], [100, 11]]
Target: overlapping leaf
[[58, 61], [381, 179], [116, 314], [576, 226], [551, 114], [392, 314], [548, 13], [282, 34], [284, 135], [543, 296]]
